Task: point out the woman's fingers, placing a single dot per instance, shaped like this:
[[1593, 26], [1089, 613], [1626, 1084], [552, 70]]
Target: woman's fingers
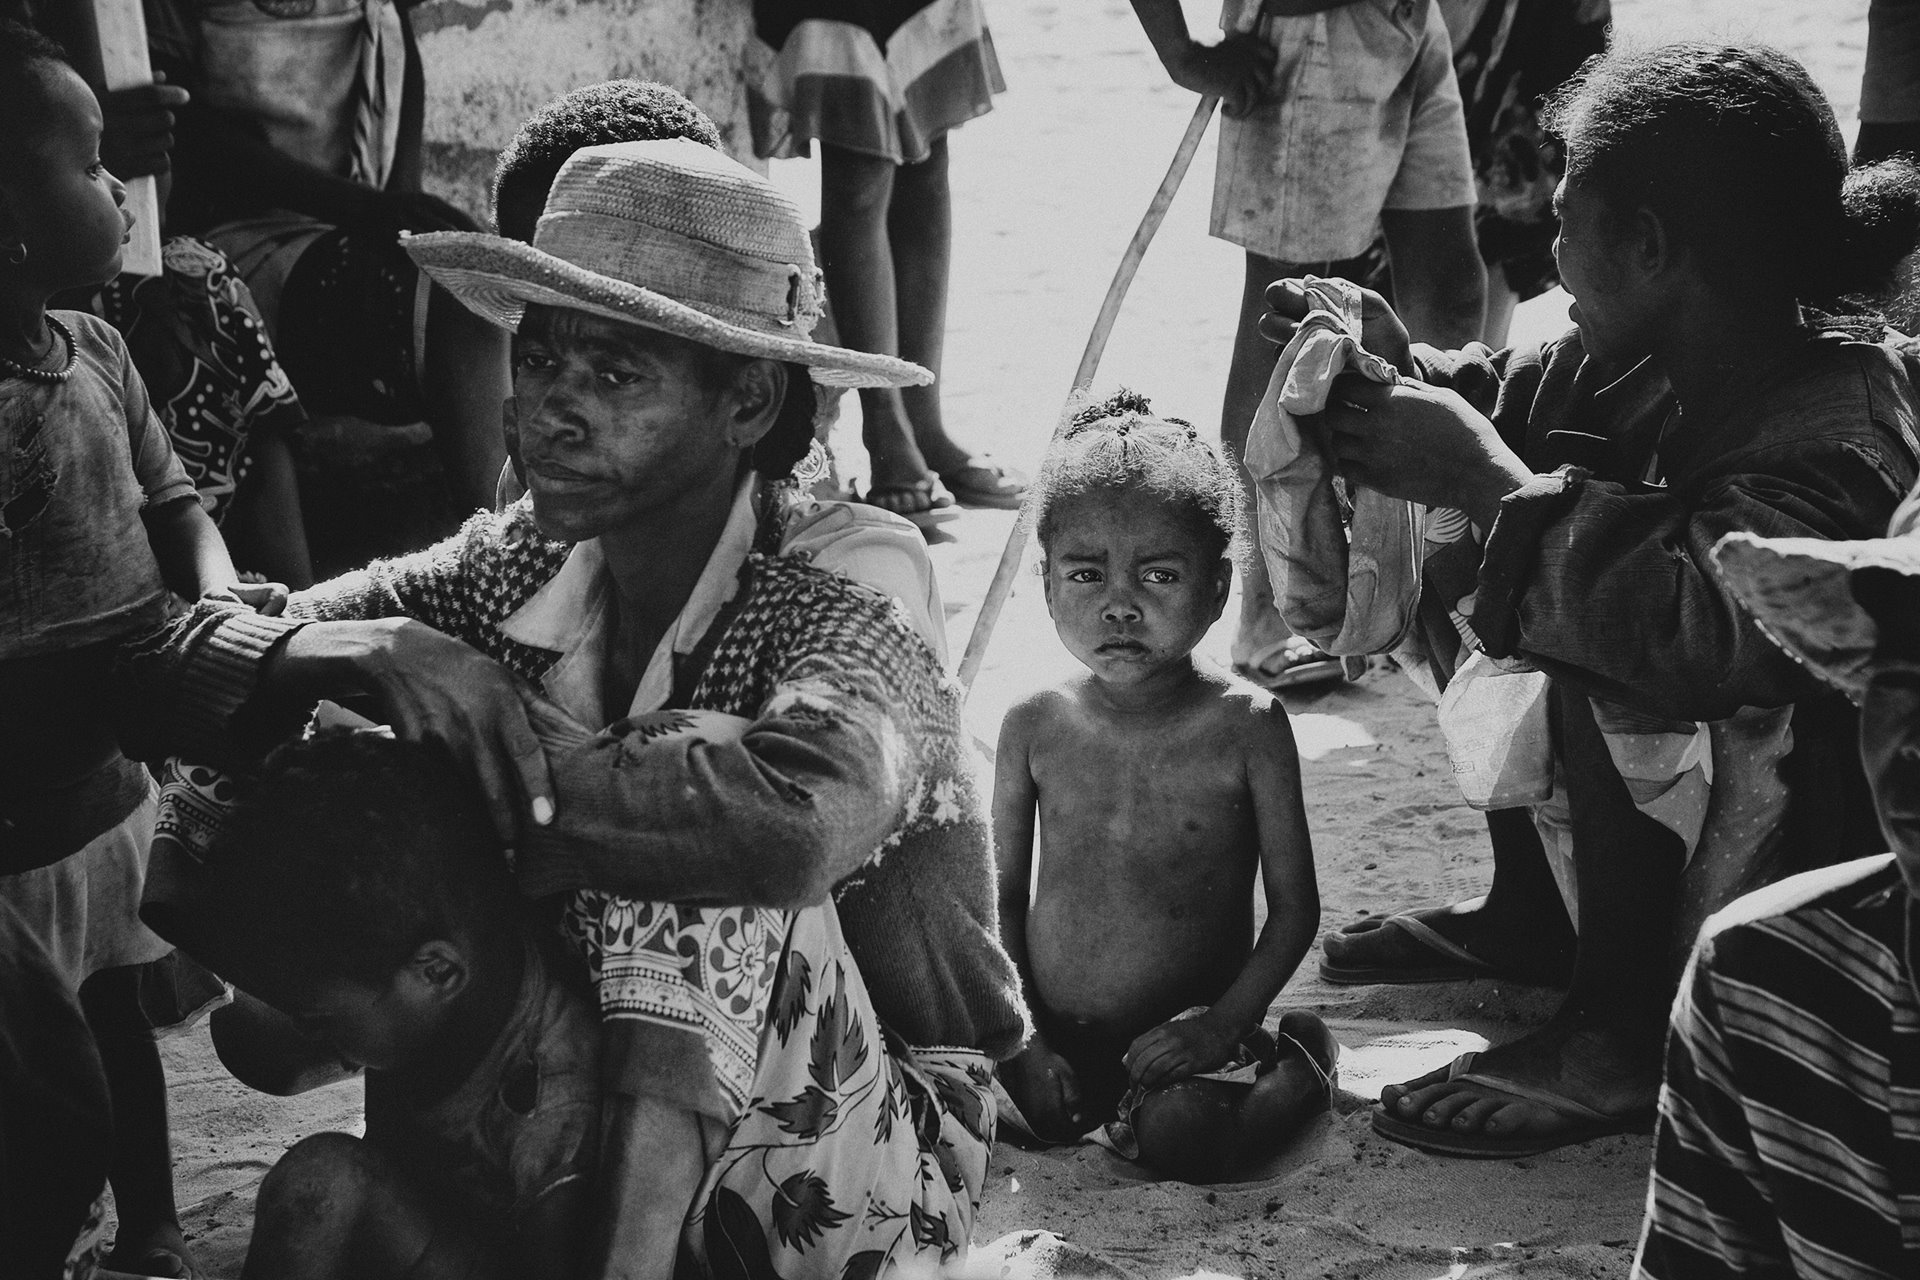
[[528, 760]]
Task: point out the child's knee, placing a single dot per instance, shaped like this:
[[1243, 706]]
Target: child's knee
[[334, 1170]]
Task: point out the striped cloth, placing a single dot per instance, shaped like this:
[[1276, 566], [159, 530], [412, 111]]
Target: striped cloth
[[1789, 1140]]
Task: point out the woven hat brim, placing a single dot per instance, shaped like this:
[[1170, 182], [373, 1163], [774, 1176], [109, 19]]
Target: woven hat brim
[[1800, 592], [496, 278]]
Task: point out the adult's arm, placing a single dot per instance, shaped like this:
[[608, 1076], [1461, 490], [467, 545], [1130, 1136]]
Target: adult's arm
[[800, 799]]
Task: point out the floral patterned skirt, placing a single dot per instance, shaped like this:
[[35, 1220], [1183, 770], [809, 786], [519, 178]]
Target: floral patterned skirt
[[848, 1151]]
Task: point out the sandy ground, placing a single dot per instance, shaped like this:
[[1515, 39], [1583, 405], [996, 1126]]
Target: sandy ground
[[1047, 190]]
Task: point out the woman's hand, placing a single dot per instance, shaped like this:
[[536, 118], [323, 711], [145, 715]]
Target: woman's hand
[[430, 688], [1180, 1048], [1048, 1092], [1238, 70], [137, 133], [1380, 329], [1423, 444]]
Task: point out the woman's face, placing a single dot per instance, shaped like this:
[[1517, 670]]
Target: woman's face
[[1890, 750], [1595, 254], [616, 422]]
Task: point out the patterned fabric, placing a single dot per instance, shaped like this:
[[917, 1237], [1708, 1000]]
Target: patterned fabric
[[856, 1153], [199, 343], [1789, 1138]]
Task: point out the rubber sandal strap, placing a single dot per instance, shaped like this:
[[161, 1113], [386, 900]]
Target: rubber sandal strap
[[1557, 1103], [1433, 940]]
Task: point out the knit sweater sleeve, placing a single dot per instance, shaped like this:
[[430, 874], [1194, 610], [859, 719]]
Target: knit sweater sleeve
[[182, 686], [802, 798]]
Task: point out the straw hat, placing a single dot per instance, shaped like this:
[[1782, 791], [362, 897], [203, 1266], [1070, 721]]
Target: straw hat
[[1800, 591], [672, 236]]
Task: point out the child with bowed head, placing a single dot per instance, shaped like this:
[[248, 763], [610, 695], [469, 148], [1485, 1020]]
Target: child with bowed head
[[1157, 791]]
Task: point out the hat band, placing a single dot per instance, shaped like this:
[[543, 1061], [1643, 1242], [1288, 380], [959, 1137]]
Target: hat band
[[696, 273]]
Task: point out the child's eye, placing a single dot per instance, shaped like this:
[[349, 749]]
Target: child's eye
[[95, 169], [1083, 575], [1161, 576]]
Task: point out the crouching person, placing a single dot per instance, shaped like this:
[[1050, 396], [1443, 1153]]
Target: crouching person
[[359, 889]]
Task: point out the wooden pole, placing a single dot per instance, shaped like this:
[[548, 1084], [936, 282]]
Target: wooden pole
[[1016, 549], [123, 60]]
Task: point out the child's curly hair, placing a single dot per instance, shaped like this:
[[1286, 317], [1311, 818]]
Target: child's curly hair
[[1119, 444]]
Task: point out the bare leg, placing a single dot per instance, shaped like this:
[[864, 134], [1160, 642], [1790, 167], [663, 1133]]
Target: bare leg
[[142, 1171], [465, 378], [856, 192], [1439, 282], [1501, 300], [335, 1207], [653, 1156], [1260, 626], [266, 527], [1602, 1048], [920, 233]]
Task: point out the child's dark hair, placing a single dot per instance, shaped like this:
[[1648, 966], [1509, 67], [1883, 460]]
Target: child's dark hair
[[23, 54], [591, 116], [1738, 153], [1118, 444], [349, 851]]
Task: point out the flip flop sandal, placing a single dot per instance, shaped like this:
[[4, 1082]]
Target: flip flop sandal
[[925, 502], [1583, 1123], [1449, 962], [1314, 667], [986, 483]]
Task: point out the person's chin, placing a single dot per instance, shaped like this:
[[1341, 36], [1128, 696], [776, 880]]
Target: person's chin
[[563, 516]]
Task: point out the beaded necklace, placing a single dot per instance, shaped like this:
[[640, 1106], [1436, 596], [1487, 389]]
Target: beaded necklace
[[33, 374]]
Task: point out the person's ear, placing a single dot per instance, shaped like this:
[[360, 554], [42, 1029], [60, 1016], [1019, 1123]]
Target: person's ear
[[759, 388], [1222, 584], [1650, 249], [437, 974], [1046, 583]]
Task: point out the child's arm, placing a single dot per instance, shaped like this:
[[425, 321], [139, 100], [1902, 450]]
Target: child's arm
[[186, 542], [1239, 70], [653, 1155], [1175, 1050], [1039, 1079]]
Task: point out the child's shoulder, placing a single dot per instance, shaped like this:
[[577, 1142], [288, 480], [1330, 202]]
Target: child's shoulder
[[1044, 707], [1254, 716]]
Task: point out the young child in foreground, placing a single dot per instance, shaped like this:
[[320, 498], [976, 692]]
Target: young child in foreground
[[358, 887], [1159, 790], [97, 521]]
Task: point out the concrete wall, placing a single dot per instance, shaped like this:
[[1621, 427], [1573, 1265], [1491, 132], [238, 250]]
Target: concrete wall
[[489, 63]]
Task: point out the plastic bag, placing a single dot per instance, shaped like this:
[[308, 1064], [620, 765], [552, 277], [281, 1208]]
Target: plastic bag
[[1495, 725]]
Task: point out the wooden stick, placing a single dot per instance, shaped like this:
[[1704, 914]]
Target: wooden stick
[[123, 59], [1016, 549]]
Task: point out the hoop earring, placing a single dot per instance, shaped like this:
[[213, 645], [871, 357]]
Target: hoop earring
[[18, 254]]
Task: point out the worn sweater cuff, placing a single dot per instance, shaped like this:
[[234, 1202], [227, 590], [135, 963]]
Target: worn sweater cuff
[[1513, 543], [223, 676]]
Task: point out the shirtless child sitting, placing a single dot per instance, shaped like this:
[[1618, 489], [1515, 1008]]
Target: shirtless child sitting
[[1159, 790]]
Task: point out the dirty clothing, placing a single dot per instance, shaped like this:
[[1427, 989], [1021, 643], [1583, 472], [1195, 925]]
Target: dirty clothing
[[1366, 117], [1598, 571]]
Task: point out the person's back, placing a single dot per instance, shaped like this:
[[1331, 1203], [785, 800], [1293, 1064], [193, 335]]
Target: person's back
[[358, 889], [1159, 790]]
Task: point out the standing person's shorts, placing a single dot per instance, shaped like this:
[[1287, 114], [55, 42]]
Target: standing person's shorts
[[1368, 117]]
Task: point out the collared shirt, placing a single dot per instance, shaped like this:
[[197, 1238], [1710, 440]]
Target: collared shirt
[[572, 615], [1789, 1140]]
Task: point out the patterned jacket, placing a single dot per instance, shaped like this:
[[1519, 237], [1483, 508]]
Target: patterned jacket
[[854, 777]]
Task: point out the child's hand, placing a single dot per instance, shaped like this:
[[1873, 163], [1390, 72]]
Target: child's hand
[[1180, 1048], [1239, 70], [1048, 1091], [137, 132], [1380, 329], [267, 598]]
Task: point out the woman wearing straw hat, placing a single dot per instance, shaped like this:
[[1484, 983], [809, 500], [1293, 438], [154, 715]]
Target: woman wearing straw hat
[[781, 746]]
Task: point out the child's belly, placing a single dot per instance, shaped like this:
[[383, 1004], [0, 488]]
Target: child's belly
[[1132, 969]]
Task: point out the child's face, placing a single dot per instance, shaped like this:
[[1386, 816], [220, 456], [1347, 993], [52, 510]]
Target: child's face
[[1890, 749], [1131, 584], [59, 200], [379, 1029]]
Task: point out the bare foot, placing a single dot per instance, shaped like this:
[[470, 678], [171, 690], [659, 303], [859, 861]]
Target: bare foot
[[1570, 1081], [1537, 947]]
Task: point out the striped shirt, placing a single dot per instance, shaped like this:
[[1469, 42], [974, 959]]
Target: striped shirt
[[1789, 1141]]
